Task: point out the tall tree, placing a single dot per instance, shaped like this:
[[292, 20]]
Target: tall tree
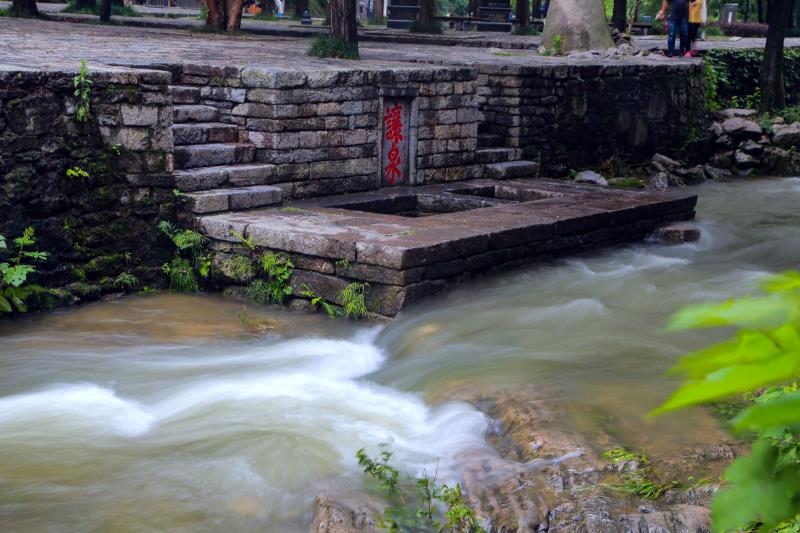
[[224, 15], [24, 8], [619, 18], [773, 89], [577, 25], [474, 8], [344, 26], [379, 11], [427, 10], [523, 16], [299, 7], [105, 11], [760, 4]]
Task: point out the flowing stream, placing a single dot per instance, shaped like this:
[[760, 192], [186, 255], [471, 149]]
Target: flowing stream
[[169, 412]]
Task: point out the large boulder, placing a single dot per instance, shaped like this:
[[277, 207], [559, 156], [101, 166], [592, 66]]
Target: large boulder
[[786, 135], [741, 128], [578, 24]]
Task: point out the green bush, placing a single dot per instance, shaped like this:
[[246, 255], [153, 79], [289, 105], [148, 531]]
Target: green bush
[[116, 10], [737, 73], [417, 27], [327, 46], [14, 270], [763, 489]]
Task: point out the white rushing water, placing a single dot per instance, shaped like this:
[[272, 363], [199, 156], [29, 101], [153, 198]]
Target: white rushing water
[[166, 413]]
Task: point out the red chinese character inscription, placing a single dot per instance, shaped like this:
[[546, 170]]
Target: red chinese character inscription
[[393, 122]]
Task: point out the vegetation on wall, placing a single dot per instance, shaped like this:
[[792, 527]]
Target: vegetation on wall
[[735, 73], [189, 257], [762, 359], [14, 270]]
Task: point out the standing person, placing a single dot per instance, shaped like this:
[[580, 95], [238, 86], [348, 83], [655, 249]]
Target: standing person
[[678, 23], [698, 15]]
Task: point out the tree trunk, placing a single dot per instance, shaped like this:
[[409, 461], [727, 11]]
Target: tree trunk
[[634, 16], [536, 9], [299, 7], [217, 18], [579, 24], [85, 4], [427, 10], [343, 21], [760, 5], [473, 8], [379, 11], [234, 15], [620, 17], [523, 14], [773, 90], [24, 8], [105, 11]]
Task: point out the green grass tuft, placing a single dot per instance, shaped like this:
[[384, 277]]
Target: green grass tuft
[[327, 46], [352, 300]]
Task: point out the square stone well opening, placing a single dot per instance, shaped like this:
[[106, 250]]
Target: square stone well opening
[[462, 198]]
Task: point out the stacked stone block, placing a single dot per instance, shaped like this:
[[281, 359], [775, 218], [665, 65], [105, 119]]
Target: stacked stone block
[[100, 219], [572, 114], [323, 131]]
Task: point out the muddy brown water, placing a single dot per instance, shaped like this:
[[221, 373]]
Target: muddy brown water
[[171, 413]]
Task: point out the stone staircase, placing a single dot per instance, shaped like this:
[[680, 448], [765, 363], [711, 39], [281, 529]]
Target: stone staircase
[[212, 167], [502, 162]]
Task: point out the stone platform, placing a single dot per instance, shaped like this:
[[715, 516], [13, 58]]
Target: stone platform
[[410, 242]]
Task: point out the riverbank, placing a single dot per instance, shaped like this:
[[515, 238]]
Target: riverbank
[[187, 411]]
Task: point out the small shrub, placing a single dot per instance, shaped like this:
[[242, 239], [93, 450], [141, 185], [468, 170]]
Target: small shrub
[[181, 275], [77, 172], [525, 30], [279, 269], [414, 505], [259, 292], [714, 31], [327, 46], [241, 268], [352, 300], [126, 280], [318, 302], [116, 10], [14, 272], [418, 27], [83, 92]]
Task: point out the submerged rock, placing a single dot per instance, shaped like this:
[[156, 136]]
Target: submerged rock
[[678, 233]]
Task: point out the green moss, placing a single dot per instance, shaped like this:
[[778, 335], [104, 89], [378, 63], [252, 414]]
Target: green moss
[[106, 264], [86, 291], [39, 297], [78, 273], [626, 183]]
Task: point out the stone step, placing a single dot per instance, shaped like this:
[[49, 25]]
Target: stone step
[[194, 113], [511, 170], [198, 179], [490, 140], [497, 155], [219, 200], [184, 94], [210, 155], [205, 132]]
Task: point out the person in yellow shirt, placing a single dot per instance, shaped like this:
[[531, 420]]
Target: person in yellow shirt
[[698, 15]]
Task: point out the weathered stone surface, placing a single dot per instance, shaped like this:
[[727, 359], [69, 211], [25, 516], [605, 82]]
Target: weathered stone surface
[[194, 113], [786, 136], [202, 133], [587, 176], [207, 155], [678, 233], [741, 128]]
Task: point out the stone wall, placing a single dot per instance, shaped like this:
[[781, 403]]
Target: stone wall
[[321, 128], [99, 221], [577, 114]]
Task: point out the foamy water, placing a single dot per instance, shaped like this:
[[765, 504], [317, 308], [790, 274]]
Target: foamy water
[[166, 413]]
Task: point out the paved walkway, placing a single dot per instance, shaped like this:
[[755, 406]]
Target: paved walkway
[[55, 44]]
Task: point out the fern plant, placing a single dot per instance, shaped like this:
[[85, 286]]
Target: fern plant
[[181, 269], [352, 299], [279, 268], [15, 271], [83, 92], [318, 302]]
